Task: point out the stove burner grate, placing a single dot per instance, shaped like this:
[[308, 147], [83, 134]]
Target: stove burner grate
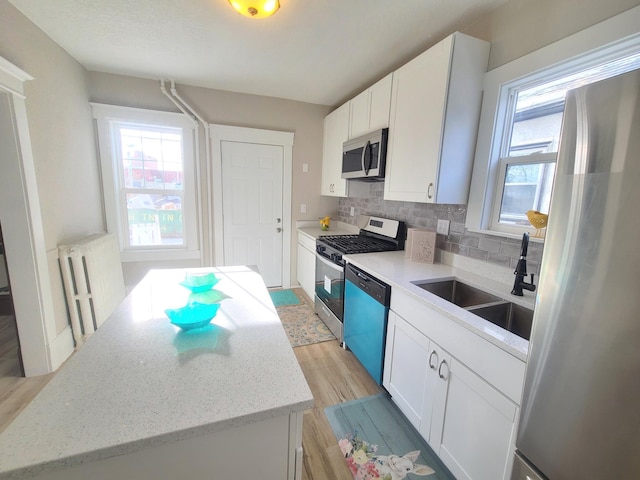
[[351, 244]]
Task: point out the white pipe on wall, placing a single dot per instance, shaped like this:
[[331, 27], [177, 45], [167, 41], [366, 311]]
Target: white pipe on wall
[[207, 145], [196, 125]]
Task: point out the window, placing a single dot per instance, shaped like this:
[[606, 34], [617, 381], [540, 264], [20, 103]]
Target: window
[[532, 136], [521, 121], [149, 181]]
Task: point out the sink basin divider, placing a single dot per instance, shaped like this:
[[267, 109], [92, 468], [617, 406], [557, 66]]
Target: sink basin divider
[[488, 306]]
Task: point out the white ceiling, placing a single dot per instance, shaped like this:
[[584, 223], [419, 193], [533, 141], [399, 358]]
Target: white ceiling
[[321, 51]]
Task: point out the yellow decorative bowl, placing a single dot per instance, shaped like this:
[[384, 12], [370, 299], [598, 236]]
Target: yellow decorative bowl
[[538, 220]]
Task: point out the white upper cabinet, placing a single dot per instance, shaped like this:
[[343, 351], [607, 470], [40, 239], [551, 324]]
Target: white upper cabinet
[[336, 132], [435, 107], [370, 110]]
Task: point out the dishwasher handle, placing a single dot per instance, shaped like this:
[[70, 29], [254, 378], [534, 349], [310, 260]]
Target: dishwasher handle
[[373, 287]]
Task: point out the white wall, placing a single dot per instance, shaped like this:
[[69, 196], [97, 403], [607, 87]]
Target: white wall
[[523, 26], [62, 141]]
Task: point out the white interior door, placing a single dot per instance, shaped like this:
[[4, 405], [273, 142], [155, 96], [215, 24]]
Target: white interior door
[[252, 179]]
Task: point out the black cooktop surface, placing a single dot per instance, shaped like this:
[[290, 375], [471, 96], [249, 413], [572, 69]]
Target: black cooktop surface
[[350, 244]]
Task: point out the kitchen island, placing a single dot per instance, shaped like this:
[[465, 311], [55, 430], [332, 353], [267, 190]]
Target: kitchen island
[[143, 399]]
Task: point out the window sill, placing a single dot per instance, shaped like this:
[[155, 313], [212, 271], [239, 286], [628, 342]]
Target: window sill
[[515, 236], [158, 255]]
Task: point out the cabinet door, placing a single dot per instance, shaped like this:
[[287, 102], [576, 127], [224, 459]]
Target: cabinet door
[[336, 131], [475, 431], [380, 103], [306, 270], [405, 367], [435, 394], [370, 110], [359, 115], [418, 99]]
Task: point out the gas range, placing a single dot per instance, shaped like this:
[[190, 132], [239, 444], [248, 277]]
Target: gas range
[[379, 235]]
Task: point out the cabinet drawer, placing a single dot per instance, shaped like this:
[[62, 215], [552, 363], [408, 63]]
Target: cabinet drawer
[[306, 241], [502, 370]]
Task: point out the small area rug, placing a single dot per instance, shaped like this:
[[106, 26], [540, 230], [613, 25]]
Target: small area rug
[[378, 442], [284, 297], [302, 325]]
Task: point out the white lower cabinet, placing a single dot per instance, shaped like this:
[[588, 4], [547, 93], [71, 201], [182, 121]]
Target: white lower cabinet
[[405, 368], [473, 428], [467, 421], [306, 270]]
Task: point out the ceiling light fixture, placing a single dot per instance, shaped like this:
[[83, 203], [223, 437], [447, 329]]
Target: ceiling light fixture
[[256, 8]]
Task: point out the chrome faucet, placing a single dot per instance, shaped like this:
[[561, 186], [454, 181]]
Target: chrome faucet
[[521, 270]]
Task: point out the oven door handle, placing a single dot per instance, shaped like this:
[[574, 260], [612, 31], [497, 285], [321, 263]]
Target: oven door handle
[[329, 263]]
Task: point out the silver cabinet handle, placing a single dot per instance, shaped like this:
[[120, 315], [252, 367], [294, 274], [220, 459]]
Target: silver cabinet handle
[[430, 190], [432, 366], [443, 362], [278, 220], [278, 230]]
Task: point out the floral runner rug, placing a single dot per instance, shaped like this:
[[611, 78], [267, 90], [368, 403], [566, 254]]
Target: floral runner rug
[[378, 442], [302, 325]]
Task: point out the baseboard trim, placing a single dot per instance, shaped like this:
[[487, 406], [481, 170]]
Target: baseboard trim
[[61, 348]]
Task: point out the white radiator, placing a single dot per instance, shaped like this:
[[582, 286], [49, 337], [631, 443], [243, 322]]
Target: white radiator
[[93, 282]]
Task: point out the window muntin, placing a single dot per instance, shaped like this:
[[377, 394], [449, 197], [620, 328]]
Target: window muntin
[[151, 156], [533, 128], [151, 170], [527, 186]]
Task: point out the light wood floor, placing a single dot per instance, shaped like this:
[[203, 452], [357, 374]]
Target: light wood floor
[[15, 391], [333, 374]]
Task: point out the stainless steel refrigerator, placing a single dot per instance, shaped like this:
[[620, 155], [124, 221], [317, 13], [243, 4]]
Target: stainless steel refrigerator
[[580, 416]]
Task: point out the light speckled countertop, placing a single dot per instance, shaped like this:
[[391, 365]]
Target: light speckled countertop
[[398, 271], [313, 230], [139, 381]]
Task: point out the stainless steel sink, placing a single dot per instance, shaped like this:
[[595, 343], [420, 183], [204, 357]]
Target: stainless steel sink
[[503, 313], [458, 293], [510, 316]]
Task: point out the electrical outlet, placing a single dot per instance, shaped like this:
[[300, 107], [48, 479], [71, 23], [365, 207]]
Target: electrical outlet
[[353, 211], [305, 168], [443, 227], [303, 208]]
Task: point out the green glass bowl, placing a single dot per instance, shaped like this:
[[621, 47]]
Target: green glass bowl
[[199, 282], [193, 315]]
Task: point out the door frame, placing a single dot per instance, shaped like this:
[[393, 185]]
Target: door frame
[[228, 133], [42, 349]]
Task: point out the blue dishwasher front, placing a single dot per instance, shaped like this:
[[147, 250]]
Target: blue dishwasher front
[[366, 308]]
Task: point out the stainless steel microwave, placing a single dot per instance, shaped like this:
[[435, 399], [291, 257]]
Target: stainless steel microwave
[[364, 158]]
